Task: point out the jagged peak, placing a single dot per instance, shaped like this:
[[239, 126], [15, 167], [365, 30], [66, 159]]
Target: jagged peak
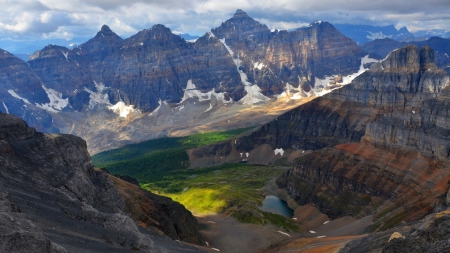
[[105, 29], [240, 14], [319, 23], [160, 27], [403, 30]]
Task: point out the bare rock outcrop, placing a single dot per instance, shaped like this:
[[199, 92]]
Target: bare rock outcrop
[[18, 233], [51, 180]]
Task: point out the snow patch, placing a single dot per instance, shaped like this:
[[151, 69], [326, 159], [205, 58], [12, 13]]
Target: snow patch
[[289, 92], [247, 154], [211, 35], [66, 54], [122, 109], [279, 151], [312, 232], [258, 65], [142, 43], [161, 103], [254, 94], [98, 97], [57, 103], [209, 108], [377, 35], [6, 108], [326, 222], [193, 40], [14, 94], [215, 249], [283, 233], [321, 84], [192, 92]]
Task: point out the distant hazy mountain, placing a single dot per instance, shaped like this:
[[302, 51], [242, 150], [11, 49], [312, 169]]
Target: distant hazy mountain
[[382, 47], [426, 34], [187, 36], [29, 46], [365, 33]]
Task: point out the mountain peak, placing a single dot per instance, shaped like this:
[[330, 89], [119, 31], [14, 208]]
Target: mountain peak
[[105, 29], [240, 14]]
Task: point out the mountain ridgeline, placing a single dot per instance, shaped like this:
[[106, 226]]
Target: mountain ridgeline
[[237, 59], [378, 145]]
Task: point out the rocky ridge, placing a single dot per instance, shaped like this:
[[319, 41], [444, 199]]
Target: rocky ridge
[[441, 46], [378, 145], [58, 202]]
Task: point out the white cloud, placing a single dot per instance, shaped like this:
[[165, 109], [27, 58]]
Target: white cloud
[[62, 19]]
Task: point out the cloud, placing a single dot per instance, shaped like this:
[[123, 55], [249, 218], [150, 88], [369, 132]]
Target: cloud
[[83, 18]]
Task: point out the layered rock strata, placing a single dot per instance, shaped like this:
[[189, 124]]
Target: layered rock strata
[[379, 145]]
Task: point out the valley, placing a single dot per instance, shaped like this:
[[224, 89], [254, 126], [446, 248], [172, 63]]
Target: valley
[[156, 143]]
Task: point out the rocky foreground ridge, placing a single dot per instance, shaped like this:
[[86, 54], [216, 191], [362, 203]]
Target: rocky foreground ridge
[[379, 145], [53, 200]]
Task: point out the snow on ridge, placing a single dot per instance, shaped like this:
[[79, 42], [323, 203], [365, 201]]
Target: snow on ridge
[[320, 84], [211, 34], [6, 108], [254, 94], [279, 151], [57, 103], [192, 92], [122, 109], [14, 94]]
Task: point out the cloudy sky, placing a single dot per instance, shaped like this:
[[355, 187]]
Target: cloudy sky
[[21, 19]]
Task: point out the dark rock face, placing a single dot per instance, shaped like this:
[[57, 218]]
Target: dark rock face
[[427, 235], [51, 180], [367, 33], [18, 233], [315, 51], [397, 109], [18, 79], [441, 47], [160, 213], [431, 239], [156, 65]]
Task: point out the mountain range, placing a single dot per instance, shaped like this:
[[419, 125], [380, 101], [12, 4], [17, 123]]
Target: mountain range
[[239, 63]]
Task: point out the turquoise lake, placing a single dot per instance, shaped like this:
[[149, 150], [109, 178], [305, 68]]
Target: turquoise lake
[[273, 204]]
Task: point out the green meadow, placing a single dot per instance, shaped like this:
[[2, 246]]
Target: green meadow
[[161, 166]]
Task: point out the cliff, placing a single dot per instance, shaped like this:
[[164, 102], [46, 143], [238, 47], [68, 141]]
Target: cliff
[[58, 202], [156, 64], [378, 145]]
